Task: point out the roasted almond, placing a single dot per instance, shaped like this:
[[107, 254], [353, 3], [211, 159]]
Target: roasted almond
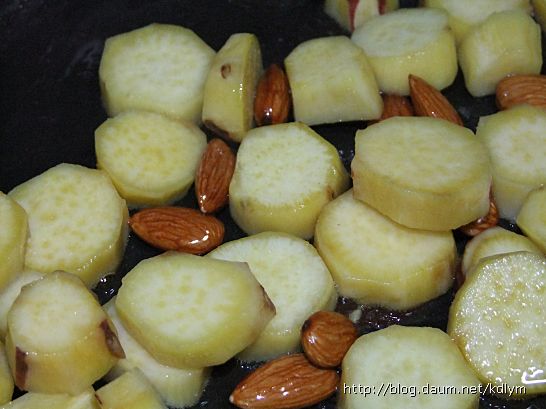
[[353, 4], [272, 102], [214, 175], [326, 337], [459, 277], [428, 101], [178, 228], [521, 89], [112, 340], [491, 219], [352, 11], [395, 105], [289, 382]]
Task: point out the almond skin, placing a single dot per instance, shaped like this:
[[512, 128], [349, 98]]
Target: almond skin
[[213, 176], [326, 337], [178, 228], [289, 382], [491, 219], [428, 101], [21, 368], [272, 102], [353, 4], [352, 10], [459, 277], [395, 105], [521, 89], [112, 341]]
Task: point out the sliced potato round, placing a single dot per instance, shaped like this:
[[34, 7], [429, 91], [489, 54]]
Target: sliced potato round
[[490, 51], [130, 391], [228, 105], [466, 14], [407, 368], [159, 68], [59, 338], [10, 293], [77, 222], [532, 217], [516, 143], [151, 159], [495, 240], [178, 388], [409, 41], [424, 173], [13, 238], [203, 311], [377, 261], [6, 380], [284, 175], [328, 93], [35, 400], [497, 320], [295, 278]]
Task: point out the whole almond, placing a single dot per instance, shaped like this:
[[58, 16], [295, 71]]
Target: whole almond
[[272, 102], [289, 382], [112, 340], [214, 175], [428, 101], [459, 276], [521, 89], [353, 4], [352, 11], [326, 337], [491, 219], [395, 105], [178, 228]]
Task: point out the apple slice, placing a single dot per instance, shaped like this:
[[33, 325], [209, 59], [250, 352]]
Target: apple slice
[[516, 143], [295, 278], [13, 237], [59, 338], [379, 262], [77, 222], [284, 175], [532, 217], [203, 311], [130, 391], [10, 293], [159, 68], [6, 380], [151, 159], [490, 51], [409, 41], [228, 105], [324, 92], [34, 400], [497, 320], [178, 388], [493, 241], [464, 15], [407, 367], [424, 173], [350, 14]]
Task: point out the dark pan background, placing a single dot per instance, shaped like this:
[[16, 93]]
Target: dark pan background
[[50, 106]]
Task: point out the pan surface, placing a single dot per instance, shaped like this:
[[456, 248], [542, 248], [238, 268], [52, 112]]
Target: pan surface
[[50, 106]]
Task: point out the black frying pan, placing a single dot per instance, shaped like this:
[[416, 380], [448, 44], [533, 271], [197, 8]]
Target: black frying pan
[[50, 107]]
